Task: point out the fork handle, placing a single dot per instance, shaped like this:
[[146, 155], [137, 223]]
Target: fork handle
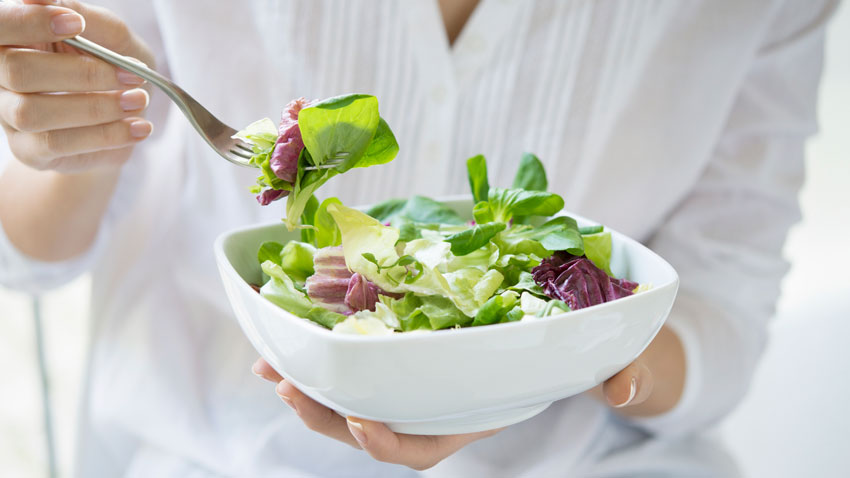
[[190, 108]]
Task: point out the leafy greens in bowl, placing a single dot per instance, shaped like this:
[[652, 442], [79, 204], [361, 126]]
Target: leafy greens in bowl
[[417, 265], [505, 288]]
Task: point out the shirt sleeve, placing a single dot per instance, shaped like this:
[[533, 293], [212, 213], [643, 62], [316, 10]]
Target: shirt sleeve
[[20, 272], [725, 239]]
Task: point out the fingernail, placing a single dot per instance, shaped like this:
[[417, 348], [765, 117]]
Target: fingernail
[[289, 402], [255, 369], [357, 431], [128, 78], [134, 100], [67, 24], [140, 129], [632, 392]]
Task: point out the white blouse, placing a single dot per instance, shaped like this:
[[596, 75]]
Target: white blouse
[[681, 124]]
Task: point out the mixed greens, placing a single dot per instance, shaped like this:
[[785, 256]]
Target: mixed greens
[[315, 141], [416, 264]]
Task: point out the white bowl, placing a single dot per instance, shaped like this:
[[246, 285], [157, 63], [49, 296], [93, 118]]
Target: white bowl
[[450, 381]]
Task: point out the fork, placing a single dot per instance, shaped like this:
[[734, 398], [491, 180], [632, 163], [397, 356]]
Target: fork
[[217, 134]]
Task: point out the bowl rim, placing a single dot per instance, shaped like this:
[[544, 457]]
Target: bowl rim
[[225, 265]]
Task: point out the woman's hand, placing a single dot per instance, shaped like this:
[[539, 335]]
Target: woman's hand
[[63, 110], [650, 385], [419, 452]]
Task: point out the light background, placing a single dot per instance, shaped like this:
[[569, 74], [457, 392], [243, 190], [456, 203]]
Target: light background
[[793, 423]]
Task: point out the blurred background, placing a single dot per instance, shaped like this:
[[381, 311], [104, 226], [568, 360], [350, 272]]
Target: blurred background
[[793, 423]]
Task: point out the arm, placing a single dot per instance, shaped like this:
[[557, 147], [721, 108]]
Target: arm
[[68, 149], [726, 237]]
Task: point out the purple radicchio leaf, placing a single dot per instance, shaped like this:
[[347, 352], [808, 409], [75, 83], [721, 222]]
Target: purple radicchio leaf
[[578, 282], [361, 294], [287, 148], [268, 196], [329, 285]]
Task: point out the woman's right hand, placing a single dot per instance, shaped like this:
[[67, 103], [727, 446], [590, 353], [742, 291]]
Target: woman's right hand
[[61, 109]]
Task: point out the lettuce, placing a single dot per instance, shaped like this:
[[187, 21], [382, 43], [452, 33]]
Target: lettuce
[[369, 249], [597, 248], [474, 238], [281, 290], [344, 129], [530, 175]]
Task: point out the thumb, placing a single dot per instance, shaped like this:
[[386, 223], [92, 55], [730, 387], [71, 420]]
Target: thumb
[[631, 386], [101, 26]]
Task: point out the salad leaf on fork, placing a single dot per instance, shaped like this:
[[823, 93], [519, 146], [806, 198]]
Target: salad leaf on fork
[[314, 142]]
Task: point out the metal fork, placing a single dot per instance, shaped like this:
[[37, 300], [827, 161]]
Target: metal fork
[[217, 134]]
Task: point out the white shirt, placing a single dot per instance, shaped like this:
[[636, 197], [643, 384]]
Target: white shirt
[[681, 124]]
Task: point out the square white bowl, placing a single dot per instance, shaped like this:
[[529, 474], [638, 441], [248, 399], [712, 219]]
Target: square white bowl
[[458, 380]]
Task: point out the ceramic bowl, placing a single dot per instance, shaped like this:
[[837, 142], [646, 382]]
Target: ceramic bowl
[[450, 381]]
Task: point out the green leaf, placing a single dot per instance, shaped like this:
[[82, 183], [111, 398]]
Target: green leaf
[[496, 308], [386, 210], [327, 232], [262, 134], [482, 213], [442, 313], [514, 315], [597, 248], [476, 168], [588, 230], [343, 124], [507, 203], [382, 149], [420, 209], [298, 200], [560, 234], [471, 239], [281, 291], [553, 307], [526, 283], [296, 259], [308, 218], [270, 251], [531, 175], [325, 317]]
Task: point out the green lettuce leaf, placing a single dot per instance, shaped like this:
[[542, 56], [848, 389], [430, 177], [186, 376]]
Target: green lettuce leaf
[[296, 260], [597, 248], [507, 203], [474, 238], [531, 175], [327, 232], [476, 168], [281, 291], [496, 309]]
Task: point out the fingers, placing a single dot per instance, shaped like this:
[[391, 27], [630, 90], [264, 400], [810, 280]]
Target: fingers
[[46, 150], [24, 70], [34, 113], [316, 416], [262, 369], [419, 452], [99, 24], [31, 24], [631, 386]]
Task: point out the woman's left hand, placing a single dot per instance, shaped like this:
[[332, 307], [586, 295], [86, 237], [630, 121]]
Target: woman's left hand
[[650, 385], [419, 452]]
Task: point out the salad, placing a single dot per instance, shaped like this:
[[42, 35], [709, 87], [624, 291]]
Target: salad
[[415, 264]]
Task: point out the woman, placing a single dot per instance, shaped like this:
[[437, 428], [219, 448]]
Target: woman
[[678, 123]]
